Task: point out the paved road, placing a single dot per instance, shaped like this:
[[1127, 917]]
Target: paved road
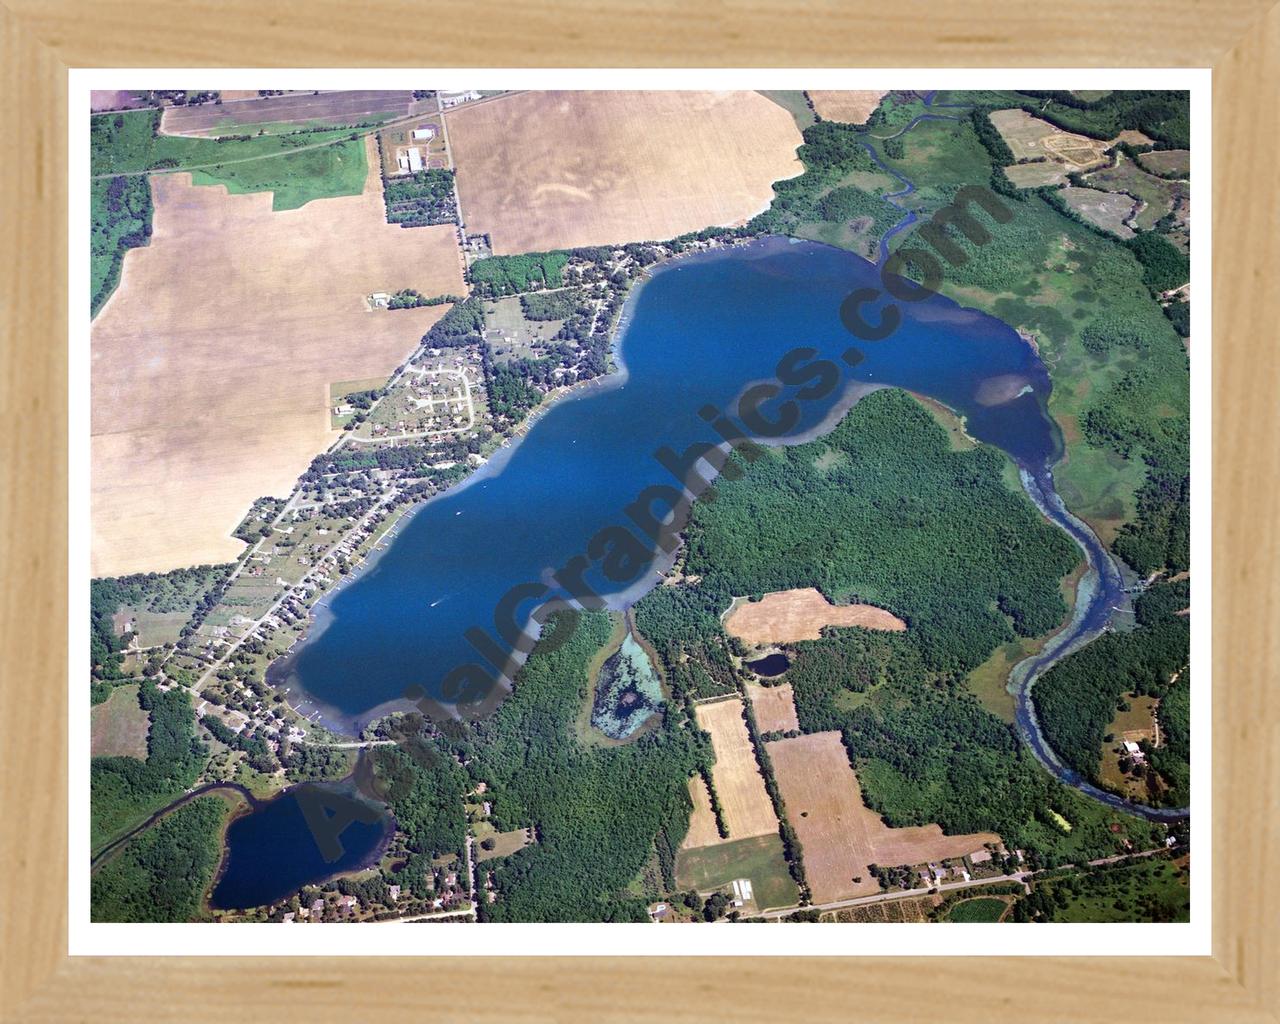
[[1018, 876]]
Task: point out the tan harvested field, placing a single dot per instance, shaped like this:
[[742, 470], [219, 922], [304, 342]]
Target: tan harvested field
[[1029, 137], [775, 707], [839, 834], [234, 115], [546, 170], [790, 615], [744, 801], [1043, 172], [1109, 210], [852, 106], [702, 822], [117, 726], [212, 361]]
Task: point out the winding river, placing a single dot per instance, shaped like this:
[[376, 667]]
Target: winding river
[[1101, 592]]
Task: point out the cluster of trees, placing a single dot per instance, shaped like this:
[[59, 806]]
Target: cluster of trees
[[463, 325], [121, 211], [258, 753], [847, 203], [1179, 314], [1076, 699], [1164, 115], [411, 298], [314, 762], [557, 305], [1164, 265], [598, 813], [1109, 332], [1147, 890], [510, 385], [123, 790], [424, 786], [683, 626], [195, 589], [425, 197], [831, 151], [509, 275], [161, 875], [256, 522]]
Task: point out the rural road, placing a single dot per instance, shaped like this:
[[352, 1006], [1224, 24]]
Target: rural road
[[361, 132], [1018, 876]]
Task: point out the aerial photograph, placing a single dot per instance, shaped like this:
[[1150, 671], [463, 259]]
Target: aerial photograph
[[672, 507]]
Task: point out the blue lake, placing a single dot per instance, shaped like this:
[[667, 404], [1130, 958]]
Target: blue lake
[[271, 852], [698, 332]]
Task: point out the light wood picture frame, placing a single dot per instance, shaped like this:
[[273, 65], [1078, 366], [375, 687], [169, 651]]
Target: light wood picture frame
[[42, 39]]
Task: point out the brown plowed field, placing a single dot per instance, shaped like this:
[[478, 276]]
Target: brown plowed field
[[852, 106], [840, 835], [547, 170], [775, 707], [213, 359], [790, 615], [237, 115]]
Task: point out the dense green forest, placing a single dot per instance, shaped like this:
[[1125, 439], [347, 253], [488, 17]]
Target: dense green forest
[[1077, 698], [509, 275], [424, 787], [124, 790], [936, 536], [1089, 303], [596, 812], [161, 875], [898, 520]]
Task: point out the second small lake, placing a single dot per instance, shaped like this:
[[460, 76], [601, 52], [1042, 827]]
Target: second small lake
[[770, 665]]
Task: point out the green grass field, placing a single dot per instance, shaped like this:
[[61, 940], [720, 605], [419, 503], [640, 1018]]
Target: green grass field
[[295, 178], [981, 910], [794, 103], [125, 143], [118, 726], [758, 858], [1146, 890]]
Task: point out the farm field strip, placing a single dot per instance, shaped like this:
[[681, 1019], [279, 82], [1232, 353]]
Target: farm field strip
[[774, 707], [840, 836], [745, 802], [340, 107], [169, 421], [786, 616], [550, 170]]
